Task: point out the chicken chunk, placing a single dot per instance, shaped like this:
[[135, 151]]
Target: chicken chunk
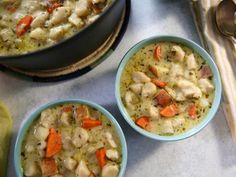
[[110, 170], [57, 33], [80, 137], [140, 77], [65, 118], [112, 154], [149, 89], [189, 89], [75, 20], [191, 76], [41, 145], [130, 99], [31, 168], [39, 20], [167, 127], [6, 34], [136, 88], [38, 34], [205, 85], [82, 8], [47, 118], [159, 70], [153, 112], [176, 71], [82, 170], [191, 62], [70, 163], [178, 122], [41, 133], [177, 53], [203, 102], [180, 96], [110, 140], [59, 15]]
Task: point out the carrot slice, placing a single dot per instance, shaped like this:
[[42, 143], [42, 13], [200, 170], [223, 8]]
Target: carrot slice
[[157, 52], [67, 109], [153, 70], [142, 121], [52, 7], [163, 98], [23, 25], [169, 111], [48, 167], [192, 111], [90, 123], [158, 83], [101, 157], [54, 143]]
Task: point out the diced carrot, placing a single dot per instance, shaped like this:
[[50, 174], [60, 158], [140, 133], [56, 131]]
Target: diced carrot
[[90, 123], [23, 25], [101, 157], [48, 167], [142, 121], [153, 70], [157, 52], [54, 143], [52, 7], [11, 8], [163, 98], [82, 112], [169, 111], [192, 111], [158, 83], [67, 109]]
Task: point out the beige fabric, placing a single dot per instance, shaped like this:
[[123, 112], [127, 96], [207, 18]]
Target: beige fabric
[[223, 51]]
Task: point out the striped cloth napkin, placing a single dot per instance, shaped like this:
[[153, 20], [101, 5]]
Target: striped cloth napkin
[[222, 50]]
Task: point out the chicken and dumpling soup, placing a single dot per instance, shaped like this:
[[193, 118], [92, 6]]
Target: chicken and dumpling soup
[[167, 88], [29, 25], [71, 140]]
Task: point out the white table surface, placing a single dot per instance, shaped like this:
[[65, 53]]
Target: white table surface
[[210, 153]]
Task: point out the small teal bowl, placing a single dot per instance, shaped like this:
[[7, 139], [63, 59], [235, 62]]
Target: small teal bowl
[[28, 122], [192, 45]]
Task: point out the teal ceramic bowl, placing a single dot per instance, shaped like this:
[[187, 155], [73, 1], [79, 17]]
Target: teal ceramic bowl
[[27, 123], [197, 49]]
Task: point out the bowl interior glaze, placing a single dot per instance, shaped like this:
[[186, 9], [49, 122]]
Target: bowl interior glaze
[[28, 122], [195, 47]]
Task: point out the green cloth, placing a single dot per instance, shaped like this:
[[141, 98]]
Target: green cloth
[[5, 137]]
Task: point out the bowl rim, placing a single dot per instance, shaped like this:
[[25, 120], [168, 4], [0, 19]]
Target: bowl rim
[[62, 42], [196, 48], [27, 122]]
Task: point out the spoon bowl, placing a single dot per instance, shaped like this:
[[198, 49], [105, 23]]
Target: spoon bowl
[[225, 18]]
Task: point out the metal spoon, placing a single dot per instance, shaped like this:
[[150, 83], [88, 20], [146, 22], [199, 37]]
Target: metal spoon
[[226, 19]]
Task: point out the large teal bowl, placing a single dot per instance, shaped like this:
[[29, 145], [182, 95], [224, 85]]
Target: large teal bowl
[[205, 56], [28, 122]]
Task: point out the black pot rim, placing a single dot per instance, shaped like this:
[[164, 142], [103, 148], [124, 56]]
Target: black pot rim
[[63, 42]]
